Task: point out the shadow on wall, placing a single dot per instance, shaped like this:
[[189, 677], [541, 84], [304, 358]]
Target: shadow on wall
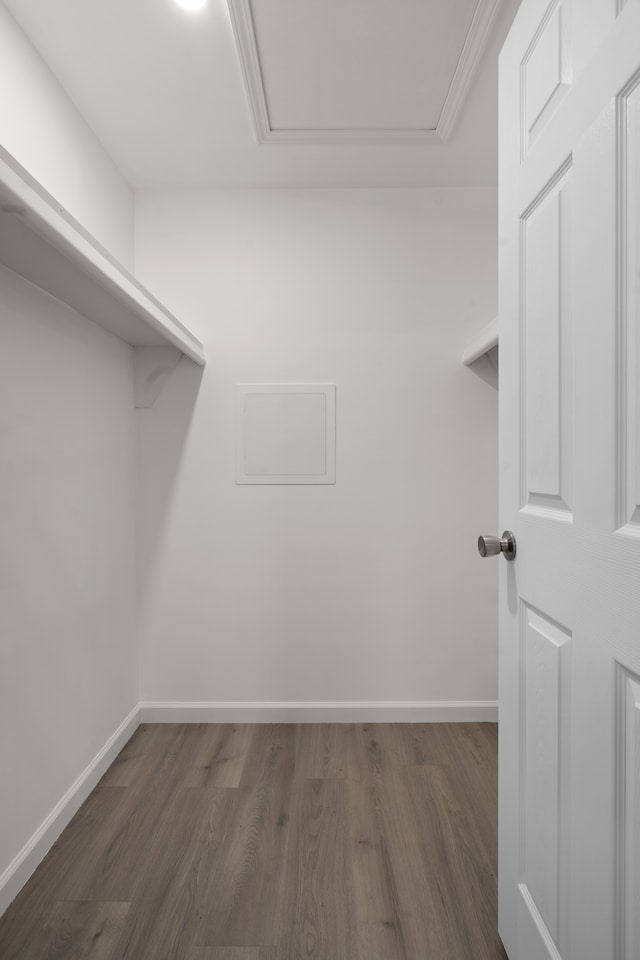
[[486, 367], [162, 432]]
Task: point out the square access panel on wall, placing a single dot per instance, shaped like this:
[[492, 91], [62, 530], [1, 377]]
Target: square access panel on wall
[[286, 433]]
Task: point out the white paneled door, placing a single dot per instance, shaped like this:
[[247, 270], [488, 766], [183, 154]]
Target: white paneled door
[[570, 481]]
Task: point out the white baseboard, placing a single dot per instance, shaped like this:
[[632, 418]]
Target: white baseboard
[[25, 862], [389, 711]]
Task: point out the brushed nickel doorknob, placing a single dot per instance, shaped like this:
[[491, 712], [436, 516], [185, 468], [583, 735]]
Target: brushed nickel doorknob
[[492, 546]]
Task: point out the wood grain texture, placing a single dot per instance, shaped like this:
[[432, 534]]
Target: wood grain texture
[[246, 886], [167, 916], [316, 917], [275, 842], [72, 931], [320, 751], [221, 755], [235, 953]]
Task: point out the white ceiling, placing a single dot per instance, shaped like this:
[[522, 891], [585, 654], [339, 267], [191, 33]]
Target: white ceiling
[[341, 92]]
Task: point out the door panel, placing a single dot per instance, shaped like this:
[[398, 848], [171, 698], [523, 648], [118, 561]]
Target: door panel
[[628, 137], [546, 322], [546, 70], [569, 870], [546, 652]]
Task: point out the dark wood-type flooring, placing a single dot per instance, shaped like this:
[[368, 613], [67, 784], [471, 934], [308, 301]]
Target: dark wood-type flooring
[[275, 842]]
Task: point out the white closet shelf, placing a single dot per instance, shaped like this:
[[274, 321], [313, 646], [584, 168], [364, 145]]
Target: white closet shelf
[[43, 243], [482, 344]]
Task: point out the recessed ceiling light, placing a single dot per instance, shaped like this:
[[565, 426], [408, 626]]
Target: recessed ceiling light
[[192, 5]]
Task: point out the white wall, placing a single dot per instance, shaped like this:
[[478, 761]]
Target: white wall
[[68, 670], [371, 589], [41, 128]]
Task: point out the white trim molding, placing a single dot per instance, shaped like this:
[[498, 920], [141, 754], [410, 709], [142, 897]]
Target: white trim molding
[[36, 848], [385, 711], [246, 42]]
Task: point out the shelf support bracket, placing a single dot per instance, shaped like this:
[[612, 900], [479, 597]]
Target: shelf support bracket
[[152, 367]]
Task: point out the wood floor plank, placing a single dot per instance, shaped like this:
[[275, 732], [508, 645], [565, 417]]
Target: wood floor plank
[[144, 756], [412, 838], [85, 931], [129, 764], [221, 755], [474, 761], [409, 908], [235, 953], [397, 742], [317, 908], [364, 752], [470, 740], [453, 883], [377, 907], [101, 811], [471, 874], [490, 733], [166, 917], [429, 744], [117, 857], [245, 895], [374, 750], [72, 931], [320, 751]]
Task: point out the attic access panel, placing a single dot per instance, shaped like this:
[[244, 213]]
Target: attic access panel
[[360, 70], [286, 433]]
